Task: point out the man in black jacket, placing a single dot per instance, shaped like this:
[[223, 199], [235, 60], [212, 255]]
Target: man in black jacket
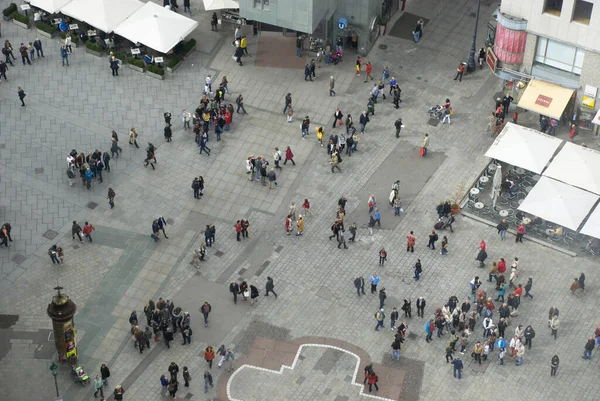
[[270, 287], [359, 283], [234, 288], [420, 306]]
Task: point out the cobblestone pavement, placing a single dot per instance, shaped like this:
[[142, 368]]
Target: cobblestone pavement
[[78, 106]]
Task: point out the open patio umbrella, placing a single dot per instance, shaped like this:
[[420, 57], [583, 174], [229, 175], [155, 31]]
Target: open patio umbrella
[[496, 183], [220, 4]]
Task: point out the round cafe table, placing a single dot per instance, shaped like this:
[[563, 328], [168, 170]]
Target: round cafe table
[[474, 191], [484, 180], [520, 171], [526, 220], [536, 177], [503, 213], [479, 205]]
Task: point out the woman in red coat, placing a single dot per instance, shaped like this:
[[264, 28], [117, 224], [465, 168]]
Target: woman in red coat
[[289, 156], [372, 379], [227, 120]]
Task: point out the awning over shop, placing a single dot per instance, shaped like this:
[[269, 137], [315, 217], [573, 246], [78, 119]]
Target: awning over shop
[[524, 147], [546, 99], [105, 15], [210, 5], [592, 225], [559, 203], [156, 27], [577, 166], [51, 6]]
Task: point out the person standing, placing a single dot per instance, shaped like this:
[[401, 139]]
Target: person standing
[[374, 279], [425, 145], [337, 117], [554, 362], [64, 54], [205, 309], [37, 44], [502, 227], [214, 22], [421, 307], [104, 374], [229, 358], [289, 155], [173, 387], [76, 230], [363, 120], [359, 283], [368, 69], [382, 297], [433, 237], [22, 95], [398, 125], [380, 317], [393, 318], [187, 9], [307, 73], [396, 349], [269, 287], [277, 158], [341, 239], [554, 324], [382, 256], [457, 364], [331, 86], [300, 225], [111, 197], [164, 383], [589, 347], [335, 162], [410, 242], [238, 230], [520, 233], [118, 393], [133, 137], [114, 66], [460, 70]]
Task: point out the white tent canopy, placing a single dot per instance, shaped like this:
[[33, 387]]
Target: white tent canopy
[[592, 225], [559, 203], [577, 166], [220, 4], [524, 147], [156, 27], [105, 15], [51, 6]]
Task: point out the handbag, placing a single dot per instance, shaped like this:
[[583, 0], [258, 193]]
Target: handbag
[[340, 122]]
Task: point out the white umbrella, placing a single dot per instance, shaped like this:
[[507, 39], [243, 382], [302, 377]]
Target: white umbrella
[[220, 4], [496, 183]]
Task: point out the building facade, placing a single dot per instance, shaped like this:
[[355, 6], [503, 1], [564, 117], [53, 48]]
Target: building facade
[[320, 18], [554, 41]]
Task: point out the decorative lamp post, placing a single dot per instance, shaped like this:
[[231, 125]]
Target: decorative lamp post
[[54, 370], [61, 310], [471, 63]]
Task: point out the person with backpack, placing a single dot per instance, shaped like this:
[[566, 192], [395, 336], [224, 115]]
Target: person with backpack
[[239, 101], [277, 156], [382, 256], [335, 161], [433, 237]]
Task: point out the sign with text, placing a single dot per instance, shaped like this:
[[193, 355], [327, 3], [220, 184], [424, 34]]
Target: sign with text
[[25, 7], [491, 59], [158, 59], [135, 51], [543, 101], [73, 27]]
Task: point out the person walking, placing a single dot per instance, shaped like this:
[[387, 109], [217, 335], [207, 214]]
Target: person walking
[[341, 239], [528, 287], [269, 287], [331, 86], [368, 70], [87, 230], [186, 377], [374, 279], [359, 284], [529, 335], [335, 162], [396, 349], [239, 101], [234, 289], [229, 358], [22, 95], [382, 297], [382, 256], [206, 308], [111, 197], [289, 155], [502, 227], [393, 318], [433, 237], [64, 54], [208, 380], [300, 225], [288, 102], [209, 356], [554, 362], [410, 242], [104, 374], [173, 387], [379, 316], [76, 230], [398, 125], [337, 118], [98, 387], [118, 393], [424, 145], [114, 66]]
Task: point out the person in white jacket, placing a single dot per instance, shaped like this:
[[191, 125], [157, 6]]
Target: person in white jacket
[[488, 324]]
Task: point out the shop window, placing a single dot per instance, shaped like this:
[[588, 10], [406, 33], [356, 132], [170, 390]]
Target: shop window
[[582, 11], [262, 4], [559, 55], [553, 7]]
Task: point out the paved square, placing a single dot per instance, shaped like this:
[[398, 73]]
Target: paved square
[[78, 107]]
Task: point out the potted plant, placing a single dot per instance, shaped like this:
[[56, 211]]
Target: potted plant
[[155, 71], [456, 199], [93, 48], [174, 63], [7, 13], [189, 46], [21, 20], [136, 64], [44, 29], [122, 57]]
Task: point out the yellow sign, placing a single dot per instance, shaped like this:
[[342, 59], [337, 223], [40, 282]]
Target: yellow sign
[[588, 102]]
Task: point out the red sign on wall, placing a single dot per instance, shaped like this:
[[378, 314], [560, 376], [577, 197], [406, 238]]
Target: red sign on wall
[[543, 101], [491, 59]]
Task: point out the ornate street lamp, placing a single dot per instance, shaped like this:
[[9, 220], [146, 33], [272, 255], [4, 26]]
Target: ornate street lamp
[[471, 63]]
